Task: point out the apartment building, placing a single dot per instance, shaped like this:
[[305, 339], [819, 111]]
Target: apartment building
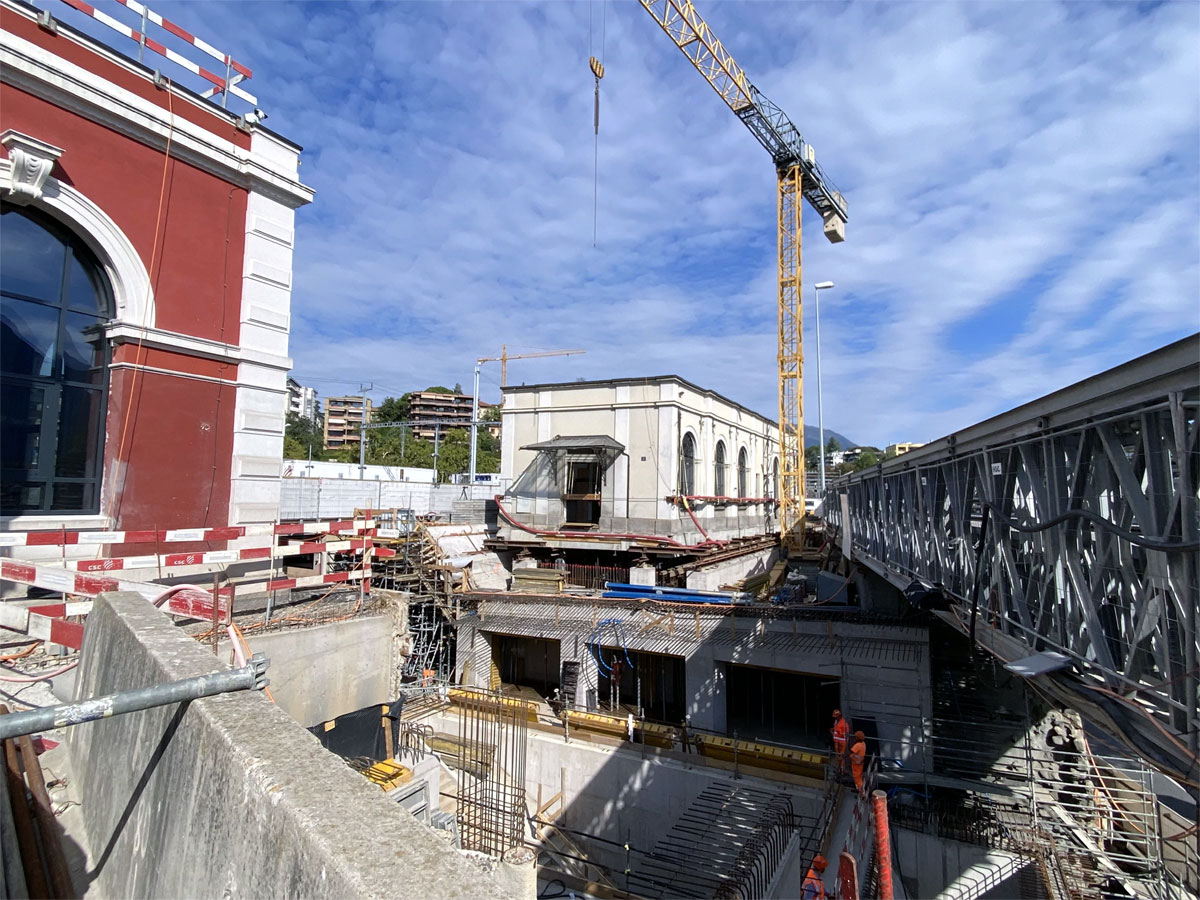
[[343, 418], [303, 401], [434, 409]]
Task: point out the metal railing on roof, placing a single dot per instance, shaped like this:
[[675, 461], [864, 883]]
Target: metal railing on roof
[[224, 82]]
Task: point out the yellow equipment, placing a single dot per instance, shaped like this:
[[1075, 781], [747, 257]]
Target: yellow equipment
[[388, 774], [799, 176]]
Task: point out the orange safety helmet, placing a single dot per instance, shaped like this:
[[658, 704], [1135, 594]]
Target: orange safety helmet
[[860, 735], [819, 863], [837, 713]]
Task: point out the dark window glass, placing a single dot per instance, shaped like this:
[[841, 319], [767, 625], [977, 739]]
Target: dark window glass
[[28, 337], [719, 470], [54, 302], [30, 265], [84, 286], [70, 495], [20, 425], [83, 348], [743, 474], [21, 496], [78, 431], [687, 471]]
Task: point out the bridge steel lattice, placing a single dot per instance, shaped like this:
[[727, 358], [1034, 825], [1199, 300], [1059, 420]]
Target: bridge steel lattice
[[1070, 525]]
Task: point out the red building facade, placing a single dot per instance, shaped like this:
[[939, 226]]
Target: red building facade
[[147, 237]]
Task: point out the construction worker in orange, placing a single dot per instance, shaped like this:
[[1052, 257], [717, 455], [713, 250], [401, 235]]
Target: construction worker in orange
[[841, 733], [858, 756], [814, 887]]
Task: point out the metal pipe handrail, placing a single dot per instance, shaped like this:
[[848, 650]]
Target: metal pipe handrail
[[250, 677]]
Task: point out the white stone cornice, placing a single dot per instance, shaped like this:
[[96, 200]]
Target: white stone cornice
[[161, 339], [39, 72], [30, 163]]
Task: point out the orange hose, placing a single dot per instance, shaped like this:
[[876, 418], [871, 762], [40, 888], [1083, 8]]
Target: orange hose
[[150, 281], [241, 637], [22, 654]]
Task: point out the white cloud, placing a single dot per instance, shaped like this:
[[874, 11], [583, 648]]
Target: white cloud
[[1023, 183]]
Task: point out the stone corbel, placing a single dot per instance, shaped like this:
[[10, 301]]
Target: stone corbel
[[31, 161]]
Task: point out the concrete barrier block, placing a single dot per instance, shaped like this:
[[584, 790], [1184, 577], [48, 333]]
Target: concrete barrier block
[[228, 796]]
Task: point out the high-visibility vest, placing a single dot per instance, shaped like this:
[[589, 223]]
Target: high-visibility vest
[[814, 887], [841, 733], [858, 753]]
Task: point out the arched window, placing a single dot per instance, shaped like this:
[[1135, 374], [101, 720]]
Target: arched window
[[719, 470], [687, 466], [54, 303], [743, 474], [775, 480]]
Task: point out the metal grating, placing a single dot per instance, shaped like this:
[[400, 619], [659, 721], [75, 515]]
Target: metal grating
[[728, 843]]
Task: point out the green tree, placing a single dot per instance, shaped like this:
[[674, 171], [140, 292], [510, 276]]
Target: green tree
[[865, 460], [833, 445], [393, 409], [438, 389], [812, 457], [299, 434]]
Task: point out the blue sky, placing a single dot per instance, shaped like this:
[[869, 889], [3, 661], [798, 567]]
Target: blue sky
[[1023, 182]]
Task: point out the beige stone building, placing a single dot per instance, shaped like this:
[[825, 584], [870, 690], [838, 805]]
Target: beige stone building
[[635, 456]]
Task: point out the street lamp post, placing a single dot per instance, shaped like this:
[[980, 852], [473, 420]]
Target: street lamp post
[[474, 421], [817, 288]]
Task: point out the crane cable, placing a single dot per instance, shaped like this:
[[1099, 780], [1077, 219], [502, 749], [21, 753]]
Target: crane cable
[[597, 67]]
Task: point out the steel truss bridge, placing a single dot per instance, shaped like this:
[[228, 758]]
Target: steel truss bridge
[[1066, 525]]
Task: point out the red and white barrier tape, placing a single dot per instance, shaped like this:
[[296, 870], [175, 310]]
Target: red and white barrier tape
[[54, 578], [178, 535], [79, 577], [175, 560], [45, 622], [219, 81]]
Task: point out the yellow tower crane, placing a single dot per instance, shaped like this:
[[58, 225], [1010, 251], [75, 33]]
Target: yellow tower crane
[[799, 176], [505, 356]]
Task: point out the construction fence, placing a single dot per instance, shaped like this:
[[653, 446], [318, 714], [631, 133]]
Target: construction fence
[[315, 498]]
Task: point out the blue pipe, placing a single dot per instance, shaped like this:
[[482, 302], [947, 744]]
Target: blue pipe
[[649, 590], [675, 598]]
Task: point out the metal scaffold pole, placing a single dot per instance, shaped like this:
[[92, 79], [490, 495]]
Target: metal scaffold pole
[[250, 677]]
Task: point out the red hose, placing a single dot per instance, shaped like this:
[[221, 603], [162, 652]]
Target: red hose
[[696, 521], [653, 538], [25, 678], [883, 844]]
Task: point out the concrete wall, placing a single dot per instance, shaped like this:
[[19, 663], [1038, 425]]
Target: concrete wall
[[323, 498], [620, 795], [711, 578], [228, 796], [321, 672], [883, 669], [930, 863]]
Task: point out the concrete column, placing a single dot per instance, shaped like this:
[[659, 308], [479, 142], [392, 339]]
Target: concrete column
[[645, 575], [704, 682]]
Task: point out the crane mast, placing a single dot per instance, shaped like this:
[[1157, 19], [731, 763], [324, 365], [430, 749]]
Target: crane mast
[[799, 177]]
